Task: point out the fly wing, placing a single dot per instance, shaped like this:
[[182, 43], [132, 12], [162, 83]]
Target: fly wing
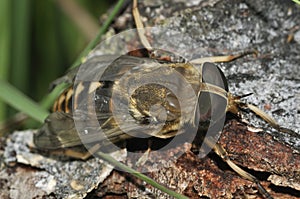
[[59, 131], [110, 68], [89, 68]]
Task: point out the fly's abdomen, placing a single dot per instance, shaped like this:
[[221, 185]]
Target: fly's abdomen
[[64, 102], [79, 95]]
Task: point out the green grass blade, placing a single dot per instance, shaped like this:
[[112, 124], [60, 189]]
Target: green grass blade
[[21, 102], [296, 1], [5, 38], [47, 102], [19, 72], [49, 99], [102, 30], [141, 176]]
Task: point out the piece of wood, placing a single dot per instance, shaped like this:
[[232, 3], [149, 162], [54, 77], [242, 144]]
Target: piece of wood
[[210, 177]]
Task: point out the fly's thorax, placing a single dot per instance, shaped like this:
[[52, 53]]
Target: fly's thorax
[[155, 93], [148, 102]]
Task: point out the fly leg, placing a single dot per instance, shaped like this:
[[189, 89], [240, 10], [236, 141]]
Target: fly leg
[[235, 104], [225, 58], [140, 26], [77, 154], [220, 151], [142, 160], [141, 32]]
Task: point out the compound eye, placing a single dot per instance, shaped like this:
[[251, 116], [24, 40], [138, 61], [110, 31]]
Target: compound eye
[[213, 75], [212, 107], [211, 104]]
